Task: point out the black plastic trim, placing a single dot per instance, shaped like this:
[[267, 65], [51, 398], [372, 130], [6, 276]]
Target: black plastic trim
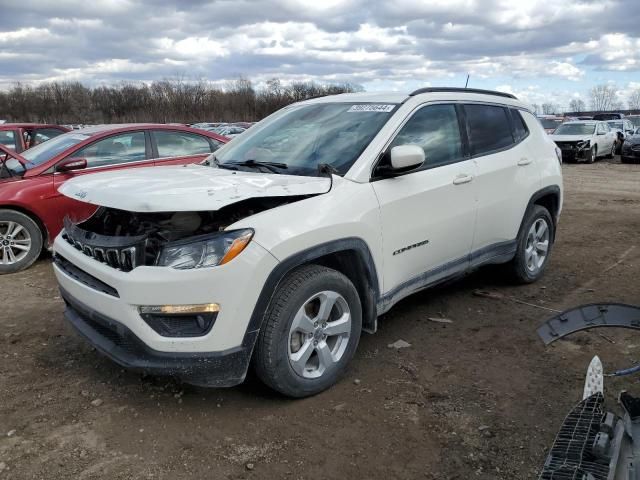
[[551, 189], [277, 274], [589, 316], [461, 90], [500, 252], [114, 340], [83, 277]]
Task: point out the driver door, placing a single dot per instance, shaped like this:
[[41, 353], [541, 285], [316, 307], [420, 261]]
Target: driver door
[[428, 216]]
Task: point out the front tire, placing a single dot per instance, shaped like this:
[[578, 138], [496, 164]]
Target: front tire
[[20, 241], [592, 154], [535, 242], [310, 332]]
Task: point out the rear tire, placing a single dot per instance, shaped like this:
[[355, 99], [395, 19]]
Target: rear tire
[[20, 241], [535, 242], [310, 332]]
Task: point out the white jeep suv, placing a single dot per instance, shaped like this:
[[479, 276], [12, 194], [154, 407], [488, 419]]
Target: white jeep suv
[[289, 241]]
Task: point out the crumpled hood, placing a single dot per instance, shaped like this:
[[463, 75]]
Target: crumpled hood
[[570, 138], [180, 188]]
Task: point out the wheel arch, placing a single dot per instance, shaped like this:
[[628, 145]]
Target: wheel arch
[[32, 216], [350, 256], [549, 198]]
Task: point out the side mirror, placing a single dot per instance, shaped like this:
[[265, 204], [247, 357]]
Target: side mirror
[[601, 133], [70, 164], [407, 157]]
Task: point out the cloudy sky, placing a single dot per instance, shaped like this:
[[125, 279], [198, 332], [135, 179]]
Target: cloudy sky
[[550, 50]]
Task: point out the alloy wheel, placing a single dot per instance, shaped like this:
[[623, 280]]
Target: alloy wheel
[[537, 247], [319, 334], [15, 242]]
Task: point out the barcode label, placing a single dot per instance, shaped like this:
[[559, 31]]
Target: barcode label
[[371, 108]]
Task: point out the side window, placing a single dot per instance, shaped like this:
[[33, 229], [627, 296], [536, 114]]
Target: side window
[[179, 144], [435, 128], [601, 128], [520, 130], [8, 139], [44, 134], [123, 148], [215, 144], [489, 128]]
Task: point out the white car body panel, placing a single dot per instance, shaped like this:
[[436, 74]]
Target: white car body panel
[[185, 188]]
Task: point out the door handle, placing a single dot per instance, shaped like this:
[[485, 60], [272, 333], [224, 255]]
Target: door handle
[[524, 161], [462, 178]]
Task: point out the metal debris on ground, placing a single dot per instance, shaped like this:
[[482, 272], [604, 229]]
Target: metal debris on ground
[[500, 296], [439, 320]]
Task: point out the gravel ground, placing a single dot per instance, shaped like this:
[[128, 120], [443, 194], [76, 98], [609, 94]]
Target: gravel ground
[[480, 397]]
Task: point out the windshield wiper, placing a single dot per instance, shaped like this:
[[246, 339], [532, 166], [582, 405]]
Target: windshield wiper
[[272, 166]]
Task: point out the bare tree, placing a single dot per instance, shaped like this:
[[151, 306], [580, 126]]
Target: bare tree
[[169, 100], [577, 105], [634, 100], [549, 108], [603, 97], [536, 108]]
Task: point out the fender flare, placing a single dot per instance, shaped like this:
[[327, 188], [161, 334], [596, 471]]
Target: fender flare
[[551, 189], [307, 256]]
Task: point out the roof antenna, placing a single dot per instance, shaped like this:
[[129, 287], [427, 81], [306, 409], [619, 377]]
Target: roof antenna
[[467, 82]]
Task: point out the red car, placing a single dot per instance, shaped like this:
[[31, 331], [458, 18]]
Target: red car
[[21, 136], [31, 209]]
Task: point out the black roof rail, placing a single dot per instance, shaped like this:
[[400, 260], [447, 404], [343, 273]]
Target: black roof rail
[[461, 90]]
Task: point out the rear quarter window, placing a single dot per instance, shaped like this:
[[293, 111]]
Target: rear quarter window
[[489, 128], [520, 130]]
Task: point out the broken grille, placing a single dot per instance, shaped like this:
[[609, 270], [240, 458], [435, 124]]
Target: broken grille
[[571, 457], [122, 253]]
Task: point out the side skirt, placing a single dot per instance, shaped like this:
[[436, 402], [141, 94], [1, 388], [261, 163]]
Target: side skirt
[[492, 254]]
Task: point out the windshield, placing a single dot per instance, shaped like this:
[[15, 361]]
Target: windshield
[[548, 123], [46, 151], [575, 129], [635, 121], [616, 125], [305, 136]]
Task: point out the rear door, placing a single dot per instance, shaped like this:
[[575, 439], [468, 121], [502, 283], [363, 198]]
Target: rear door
[[175, 147], [507, 176], [428, 215], [122, 150]]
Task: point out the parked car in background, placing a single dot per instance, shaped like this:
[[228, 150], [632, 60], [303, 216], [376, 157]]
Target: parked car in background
[[22, 136], [635, 119], [585, 140], [228, 131], [32, 210], [622, 128], [280, 253], [608, 116], [630, 152], [550, 122]]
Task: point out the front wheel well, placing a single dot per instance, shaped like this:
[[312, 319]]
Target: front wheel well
[[352, 264]]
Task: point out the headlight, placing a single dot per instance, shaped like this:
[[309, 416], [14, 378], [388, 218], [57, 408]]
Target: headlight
[[205, 251], [559, 154], [583, 144]]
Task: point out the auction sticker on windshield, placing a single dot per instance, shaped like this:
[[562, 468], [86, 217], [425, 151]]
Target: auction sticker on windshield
[[371, 108]]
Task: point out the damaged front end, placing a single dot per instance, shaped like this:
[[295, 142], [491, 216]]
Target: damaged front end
[[574, 150], [125, 240]]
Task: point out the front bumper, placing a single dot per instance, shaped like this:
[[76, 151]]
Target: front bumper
[[102, 300], [116, 341]]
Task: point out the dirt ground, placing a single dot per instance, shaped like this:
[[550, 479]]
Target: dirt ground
[[480, 397]]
